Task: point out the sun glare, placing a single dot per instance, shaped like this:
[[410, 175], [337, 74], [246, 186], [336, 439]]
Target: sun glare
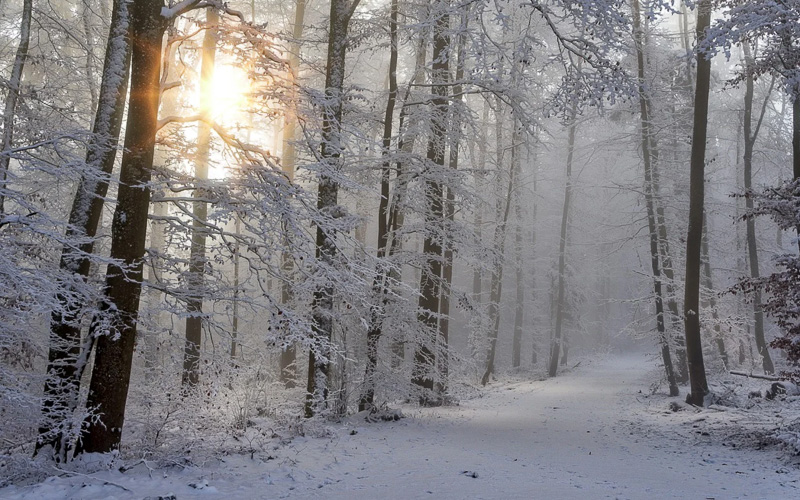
[[229, 93]]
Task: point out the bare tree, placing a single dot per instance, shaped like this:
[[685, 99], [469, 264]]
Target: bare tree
[[691, 305]]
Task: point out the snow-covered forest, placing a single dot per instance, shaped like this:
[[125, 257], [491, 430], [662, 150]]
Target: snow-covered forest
[[385, 248]]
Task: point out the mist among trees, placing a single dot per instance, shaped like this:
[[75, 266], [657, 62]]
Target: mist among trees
[[218, 218]]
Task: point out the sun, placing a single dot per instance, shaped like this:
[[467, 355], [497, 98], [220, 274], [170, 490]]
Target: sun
[[228, 95]]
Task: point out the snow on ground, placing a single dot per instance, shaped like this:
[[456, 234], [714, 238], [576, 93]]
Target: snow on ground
[[592, 433]]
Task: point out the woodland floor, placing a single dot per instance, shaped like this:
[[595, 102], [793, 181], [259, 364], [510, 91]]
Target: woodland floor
[[595, 432]]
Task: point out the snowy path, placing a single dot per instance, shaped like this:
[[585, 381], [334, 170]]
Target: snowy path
[[582, 435]]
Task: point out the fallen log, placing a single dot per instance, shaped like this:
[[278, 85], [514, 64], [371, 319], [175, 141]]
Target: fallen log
[[755, 375]]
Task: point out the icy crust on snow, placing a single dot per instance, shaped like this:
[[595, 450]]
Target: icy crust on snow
[[595, 432]]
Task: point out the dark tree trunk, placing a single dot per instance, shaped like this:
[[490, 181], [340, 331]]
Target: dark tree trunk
[[14, 85], [67, 358], [796, 142], [655, 260], [691, 305], [115, 324], [750, 137], [424, 369], [380, 285], [327, 201]]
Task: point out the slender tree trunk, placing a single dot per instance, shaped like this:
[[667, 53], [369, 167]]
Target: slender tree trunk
[[327, 202], [197, 251], [236, 291], [288, 370], [534, 338], [709, 300], [12, 97], [496, 292], [519, 312], [90, 70], [405, 145], [562, 254], [691, 305], [423, 375], [380, 285], [67, 358], [750, 137], [655, 261], [442, 357], [115, 324]]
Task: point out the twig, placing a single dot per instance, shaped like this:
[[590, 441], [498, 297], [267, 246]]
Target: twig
[[104, 481]]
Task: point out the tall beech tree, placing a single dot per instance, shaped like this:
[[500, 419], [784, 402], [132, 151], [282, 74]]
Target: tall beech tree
[[694, 238], [424, 371], [330, 165], [68, 354], [114, 326]]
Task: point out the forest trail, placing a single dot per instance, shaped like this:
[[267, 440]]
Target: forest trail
[[584, 435]]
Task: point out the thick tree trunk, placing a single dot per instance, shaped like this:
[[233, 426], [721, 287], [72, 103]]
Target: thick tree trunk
[[424, 369], [12, 97], [115, 324], [655, 260], [67, 358], [197, 250], [288, 370], [691, 305], [327, 203], [750, 137]]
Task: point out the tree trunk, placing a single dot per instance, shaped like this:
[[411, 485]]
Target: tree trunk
[[115, 324], [288, 370], [10, 110], [424, 368], [380, 285], [750, 137], [477, 274], [562, 254], [691, 304], [442, 358], [655, 261], [496, 291], [534, 161], [710, 301], [197, 251], [519, 312], [67, 358], [327, 202]]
